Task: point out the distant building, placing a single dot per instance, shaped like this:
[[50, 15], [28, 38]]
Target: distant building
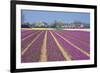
[[73, 26]]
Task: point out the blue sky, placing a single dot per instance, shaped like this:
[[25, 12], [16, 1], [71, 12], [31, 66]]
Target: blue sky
[[51, 16]]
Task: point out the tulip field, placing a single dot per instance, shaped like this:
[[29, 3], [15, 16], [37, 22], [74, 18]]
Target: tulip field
[[54, 45]]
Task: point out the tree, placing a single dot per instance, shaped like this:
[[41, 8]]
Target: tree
[[25, 25]]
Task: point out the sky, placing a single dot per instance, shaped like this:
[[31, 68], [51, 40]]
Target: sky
[[51, 16]]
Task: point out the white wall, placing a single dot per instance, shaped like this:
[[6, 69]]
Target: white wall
[[5, 36]]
